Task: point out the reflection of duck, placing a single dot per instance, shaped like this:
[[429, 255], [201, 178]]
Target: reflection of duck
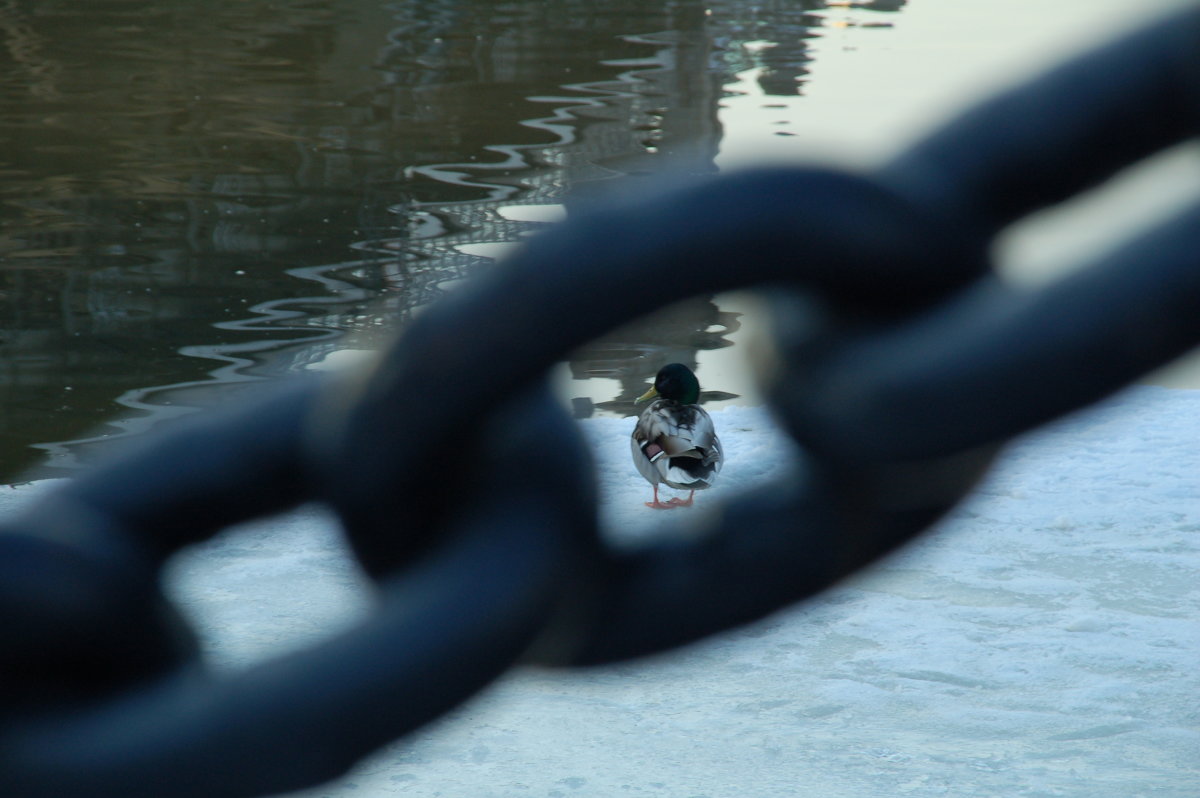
[[674, 442]]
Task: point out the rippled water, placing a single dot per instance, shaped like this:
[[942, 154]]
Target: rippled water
[[195, 199]]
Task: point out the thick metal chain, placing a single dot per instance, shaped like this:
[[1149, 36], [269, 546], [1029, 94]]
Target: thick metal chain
[[904, 365]]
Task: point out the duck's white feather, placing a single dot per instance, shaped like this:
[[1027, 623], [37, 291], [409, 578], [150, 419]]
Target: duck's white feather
[[690, 457]]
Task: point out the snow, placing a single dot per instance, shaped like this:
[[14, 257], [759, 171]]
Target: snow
[[1043, 641]]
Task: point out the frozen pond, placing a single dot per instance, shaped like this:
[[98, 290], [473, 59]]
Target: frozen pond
[[1041, 642]]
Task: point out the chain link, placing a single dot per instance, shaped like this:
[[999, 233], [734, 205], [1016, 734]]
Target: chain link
[[903, 366]]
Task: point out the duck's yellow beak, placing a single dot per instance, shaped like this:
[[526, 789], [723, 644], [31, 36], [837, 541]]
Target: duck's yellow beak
[[647, 396]]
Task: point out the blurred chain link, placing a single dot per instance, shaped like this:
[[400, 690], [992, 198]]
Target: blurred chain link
[[903, 366]]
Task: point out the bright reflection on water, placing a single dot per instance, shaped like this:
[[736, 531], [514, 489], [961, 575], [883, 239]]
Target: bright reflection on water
[[194, 203]]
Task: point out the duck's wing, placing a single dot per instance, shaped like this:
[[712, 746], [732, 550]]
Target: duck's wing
[[691, 452], [701, 435], [647, 467]]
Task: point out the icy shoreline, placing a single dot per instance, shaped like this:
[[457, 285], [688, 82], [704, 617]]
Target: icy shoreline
[[1042, 641]]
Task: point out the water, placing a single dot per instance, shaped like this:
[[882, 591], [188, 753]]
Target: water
[[194, 202]]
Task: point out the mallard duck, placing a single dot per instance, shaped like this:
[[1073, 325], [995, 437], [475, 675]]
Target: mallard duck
[[674, 442]]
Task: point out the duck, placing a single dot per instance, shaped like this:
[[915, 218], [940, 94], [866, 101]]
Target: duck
[[674, 442]]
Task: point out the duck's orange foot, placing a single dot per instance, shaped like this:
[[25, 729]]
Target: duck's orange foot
[[670, 504]]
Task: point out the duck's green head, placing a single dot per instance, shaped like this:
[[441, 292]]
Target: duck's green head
[[674, 381]]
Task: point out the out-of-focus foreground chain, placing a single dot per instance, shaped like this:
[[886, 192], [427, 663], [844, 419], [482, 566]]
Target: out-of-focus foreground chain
[[903, 365]]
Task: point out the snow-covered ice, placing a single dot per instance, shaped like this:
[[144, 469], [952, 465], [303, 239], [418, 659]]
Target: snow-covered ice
[[1043, 641]]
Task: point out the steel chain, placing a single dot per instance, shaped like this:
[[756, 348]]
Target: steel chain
[[904, 364]]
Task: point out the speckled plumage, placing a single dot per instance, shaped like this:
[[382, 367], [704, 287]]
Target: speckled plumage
[[692, 450], [674, 442]]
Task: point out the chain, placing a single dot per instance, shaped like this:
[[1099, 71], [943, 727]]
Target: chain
[[903, 365]]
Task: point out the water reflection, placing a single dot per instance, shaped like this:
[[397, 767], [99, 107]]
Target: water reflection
[[193, 202], [168, 178]]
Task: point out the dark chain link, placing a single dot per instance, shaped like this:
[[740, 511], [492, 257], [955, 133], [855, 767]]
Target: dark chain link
[[904, 364]]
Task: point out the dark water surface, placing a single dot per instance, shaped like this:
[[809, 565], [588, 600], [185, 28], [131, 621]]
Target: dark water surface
[[200, 196]]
